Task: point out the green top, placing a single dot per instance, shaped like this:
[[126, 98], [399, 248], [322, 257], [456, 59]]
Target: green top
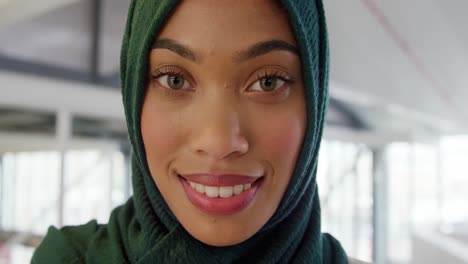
[[144, 230]]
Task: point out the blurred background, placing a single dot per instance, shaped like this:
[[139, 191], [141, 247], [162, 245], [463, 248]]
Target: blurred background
[[394, 158]]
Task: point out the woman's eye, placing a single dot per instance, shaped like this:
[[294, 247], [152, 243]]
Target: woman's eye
[[174, 82], [267, 84]]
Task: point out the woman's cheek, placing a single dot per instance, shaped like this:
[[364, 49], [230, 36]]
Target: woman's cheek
[[159, 131], [281, 140]]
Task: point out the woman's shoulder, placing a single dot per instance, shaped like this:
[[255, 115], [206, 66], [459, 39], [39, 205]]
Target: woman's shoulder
[[65, 245], [74, 244]]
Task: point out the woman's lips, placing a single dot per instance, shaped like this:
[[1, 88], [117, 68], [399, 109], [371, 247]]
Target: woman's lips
[[219, 180], [238, 191]]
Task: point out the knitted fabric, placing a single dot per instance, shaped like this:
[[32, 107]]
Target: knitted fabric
[[144, 230]]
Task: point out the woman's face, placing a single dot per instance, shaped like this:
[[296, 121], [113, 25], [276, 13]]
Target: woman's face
[[224, 115]]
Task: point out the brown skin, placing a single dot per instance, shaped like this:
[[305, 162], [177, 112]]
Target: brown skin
[[222, 118]]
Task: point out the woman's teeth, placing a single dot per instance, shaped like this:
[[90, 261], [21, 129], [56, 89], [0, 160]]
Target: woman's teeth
[[223, 192]]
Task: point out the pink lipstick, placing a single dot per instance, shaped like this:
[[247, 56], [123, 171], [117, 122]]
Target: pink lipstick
[[220, 194]]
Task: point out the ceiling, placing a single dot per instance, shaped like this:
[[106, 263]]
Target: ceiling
[[63, 36], [404, 61], [396, 66], [12, 11]]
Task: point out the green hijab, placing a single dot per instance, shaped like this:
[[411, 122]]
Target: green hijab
[[144, 230]]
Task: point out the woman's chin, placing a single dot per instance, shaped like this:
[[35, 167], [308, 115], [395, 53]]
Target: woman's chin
[[219, 240], [218, 236]]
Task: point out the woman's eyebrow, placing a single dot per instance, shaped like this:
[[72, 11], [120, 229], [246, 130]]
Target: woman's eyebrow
[[176, 47], [264, 47], [258, 49]]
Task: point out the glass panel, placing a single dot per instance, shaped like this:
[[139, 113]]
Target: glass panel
[[454, 166], [345, 185], [94, 185], [413, 176], [30, 191]]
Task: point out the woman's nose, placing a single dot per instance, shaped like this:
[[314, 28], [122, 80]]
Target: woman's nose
[[217, 132]]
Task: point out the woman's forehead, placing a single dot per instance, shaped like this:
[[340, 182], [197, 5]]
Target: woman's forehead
[[216, 26]]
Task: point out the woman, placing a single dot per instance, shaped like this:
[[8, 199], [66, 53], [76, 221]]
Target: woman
[[225, 104]]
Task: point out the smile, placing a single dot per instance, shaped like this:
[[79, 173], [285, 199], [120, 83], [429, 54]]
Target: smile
[[222, 192], [220, 195]]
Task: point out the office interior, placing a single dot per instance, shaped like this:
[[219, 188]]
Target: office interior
[[393, 164]]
